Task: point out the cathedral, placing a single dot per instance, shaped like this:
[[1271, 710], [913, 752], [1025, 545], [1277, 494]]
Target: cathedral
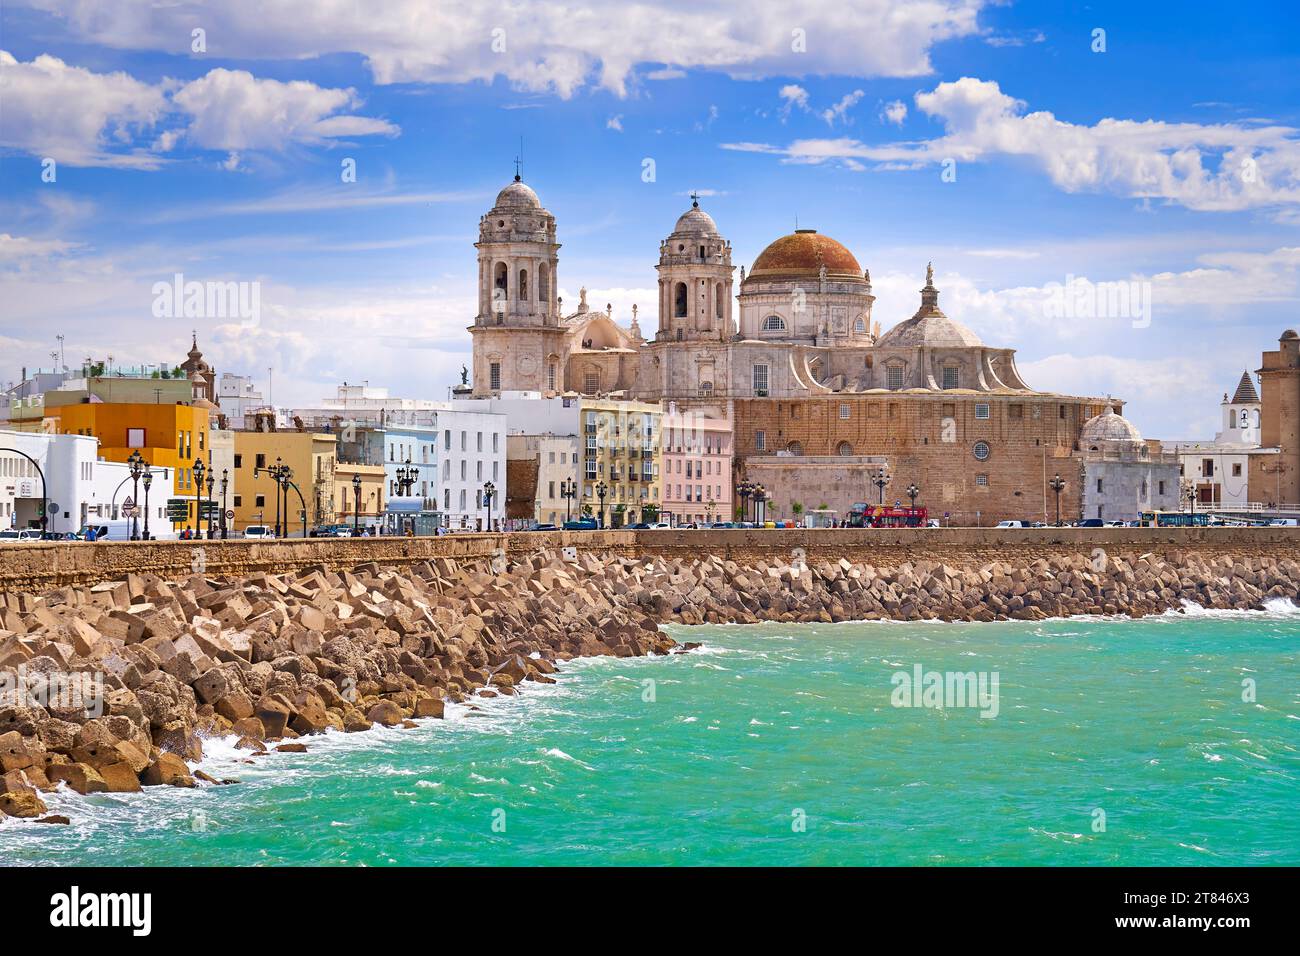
[[794, 357], [800, 326]]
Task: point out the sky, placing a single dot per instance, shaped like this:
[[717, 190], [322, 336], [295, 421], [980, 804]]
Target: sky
[[335, 157]]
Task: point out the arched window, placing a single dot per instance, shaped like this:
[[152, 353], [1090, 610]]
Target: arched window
[[774, 323], [543, 292], [523, 285], [859, 324], [679, 300], [722, 299], [844, 449], [794, 448], [500, 280]]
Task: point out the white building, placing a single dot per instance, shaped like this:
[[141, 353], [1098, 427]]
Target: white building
[[80, 488], [1218, 470], [473, 453], [238, 395], [453, 447]]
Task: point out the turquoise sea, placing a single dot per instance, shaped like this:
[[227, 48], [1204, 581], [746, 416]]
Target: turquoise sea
[[778, 744]]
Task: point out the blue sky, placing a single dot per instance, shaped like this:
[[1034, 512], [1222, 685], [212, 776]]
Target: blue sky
[[1170, 159]]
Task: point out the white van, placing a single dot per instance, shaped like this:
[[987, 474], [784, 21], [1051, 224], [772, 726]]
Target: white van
[[1010, 524], [259, 532], [19, 534], [119, 529]]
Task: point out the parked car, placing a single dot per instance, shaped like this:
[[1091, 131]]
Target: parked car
[[260, 531], [1091, 523], [1010, 524], [1284, 523], [544, 527], [581, 524], [20, 534]]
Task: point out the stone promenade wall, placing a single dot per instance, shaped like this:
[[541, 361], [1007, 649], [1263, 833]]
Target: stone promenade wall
[[35, 567]]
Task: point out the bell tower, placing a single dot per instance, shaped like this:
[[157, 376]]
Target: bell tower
[[516, 332], [695, 296]]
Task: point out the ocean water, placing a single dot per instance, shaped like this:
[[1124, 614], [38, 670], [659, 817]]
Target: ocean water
[[1115, 742]]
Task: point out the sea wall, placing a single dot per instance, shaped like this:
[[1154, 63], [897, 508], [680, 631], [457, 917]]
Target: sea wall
[[113, 685], [51, 565]]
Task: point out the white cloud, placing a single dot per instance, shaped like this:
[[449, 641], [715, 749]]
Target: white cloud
[[1223, 167], [840, 110], [234, 110], [74, 115], [84, 118], [793, 96], [554, 45], [894, 112], [21, 250], [615, 123]]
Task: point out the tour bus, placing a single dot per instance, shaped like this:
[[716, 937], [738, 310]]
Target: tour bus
[[1174, 519], [863, 515]]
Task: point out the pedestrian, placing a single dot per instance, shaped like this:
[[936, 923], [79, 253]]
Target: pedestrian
[[90, 534]]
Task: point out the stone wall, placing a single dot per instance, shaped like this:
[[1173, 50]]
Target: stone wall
[[931, 439], [37, 567]]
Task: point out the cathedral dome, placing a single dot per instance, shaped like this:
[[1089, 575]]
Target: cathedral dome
[[696, 222], [519, 195], [934, 330], [803, 253], [1109, 426]]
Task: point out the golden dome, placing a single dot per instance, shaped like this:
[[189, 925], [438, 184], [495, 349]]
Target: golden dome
[[802, 253]]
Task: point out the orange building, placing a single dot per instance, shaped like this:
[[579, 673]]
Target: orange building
[[167, 436]]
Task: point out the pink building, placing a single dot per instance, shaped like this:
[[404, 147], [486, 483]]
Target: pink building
[[695, 460]]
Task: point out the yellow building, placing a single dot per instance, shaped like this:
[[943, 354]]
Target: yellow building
[[311, 457], [369, 511], [167, 436], [620, 455]]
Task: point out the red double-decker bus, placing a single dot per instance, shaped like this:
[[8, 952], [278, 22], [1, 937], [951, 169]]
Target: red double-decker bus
[[863, 515]]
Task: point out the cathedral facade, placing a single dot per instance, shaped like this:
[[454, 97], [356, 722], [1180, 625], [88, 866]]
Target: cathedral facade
[[793, 356]]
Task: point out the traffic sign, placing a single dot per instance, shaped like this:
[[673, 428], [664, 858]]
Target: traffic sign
[[230, 516]]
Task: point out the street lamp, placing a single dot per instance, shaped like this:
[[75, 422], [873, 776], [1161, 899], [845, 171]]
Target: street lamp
[[199, 469], [1057, 484], [136, 461], [212, 480], [760, 504], [881, 479], [489, 490], [744, 490], [913, 493], [356, 511], [568, 491], [148, 480], [601, 490], [406, 478], [225, 483]]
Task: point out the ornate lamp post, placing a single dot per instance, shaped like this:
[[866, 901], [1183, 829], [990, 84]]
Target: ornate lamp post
[[148, 480], [225, 483], [212, 480], [356, 510], [601, 490], [1057, 484], [199, 469], [568, 491], [489, 490], [137, 464], [881, 479], [744, 490], [759, 494], [913, 493], [406, 478]]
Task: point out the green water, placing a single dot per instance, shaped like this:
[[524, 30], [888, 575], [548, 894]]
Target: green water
[[770, 725]]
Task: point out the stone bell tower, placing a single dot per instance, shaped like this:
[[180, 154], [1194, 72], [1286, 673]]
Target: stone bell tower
[[517, 337], [695, 297]]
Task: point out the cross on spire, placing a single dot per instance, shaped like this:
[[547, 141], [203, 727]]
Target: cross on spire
[[517, 162], [695, 199]]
